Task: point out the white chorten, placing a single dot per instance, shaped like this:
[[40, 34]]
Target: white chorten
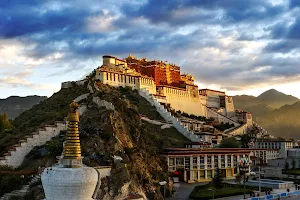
[[70, 179]]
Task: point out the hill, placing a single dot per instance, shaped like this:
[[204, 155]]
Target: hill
[[277, 112], [283, 122], [15, 105], [264, 103], [276, 99], [106, 133]]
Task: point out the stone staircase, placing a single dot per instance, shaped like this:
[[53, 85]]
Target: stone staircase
[[16, 154], [23, 191], [168, 116], [221, 118], [20, 193], [35, 179]]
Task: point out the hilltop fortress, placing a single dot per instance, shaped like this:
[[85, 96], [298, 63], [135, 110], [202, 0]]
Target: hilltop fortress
[[165, 82]]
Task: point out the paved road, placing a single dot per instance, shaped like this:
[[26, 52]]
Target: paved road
[[183, 190]]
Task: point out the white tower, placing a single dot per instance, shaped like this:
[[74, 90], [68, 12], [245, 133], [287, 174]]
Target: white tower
[[70, 179]]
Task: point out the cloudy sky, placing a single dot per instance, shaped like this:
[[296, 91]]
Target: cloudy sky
[[239, 46]]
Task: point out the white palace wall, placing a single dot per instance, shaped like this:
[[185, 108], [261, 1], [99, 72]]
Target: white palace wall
[[135, 82], [230, 111], [180, 99]]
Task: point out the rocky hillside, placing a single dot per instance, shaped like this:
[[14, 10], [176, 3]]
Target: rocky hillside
[[112, 132], [15, 105]]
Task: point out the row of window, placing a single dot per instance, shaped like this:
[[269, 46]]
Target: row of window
[[186, 161], [124, 78], [177, 92]]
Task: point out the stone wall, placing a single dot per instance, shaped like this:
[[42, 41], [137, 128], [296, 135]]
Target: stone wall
[[16, 156], [240, 130], [168, 117], [103, 103], [69, 84], [219, 117]]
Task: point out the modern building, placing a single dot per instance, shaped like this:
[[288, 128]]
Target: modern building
[[263, 156], [281, 144], [199, 165], [199, 145]]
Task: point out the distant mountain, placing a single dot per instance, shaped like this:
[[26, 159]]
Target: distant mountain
[[277, 112], [283, 122], [276, 99], [15, 105], [264, 103]]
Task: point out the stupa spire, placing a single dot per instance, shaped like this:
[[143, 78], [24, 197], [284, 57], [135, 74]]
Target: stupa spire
[[72, 145]]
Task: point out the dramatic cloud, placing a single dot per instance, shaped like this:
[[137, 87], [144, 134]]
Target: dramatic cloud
[[233, 45]]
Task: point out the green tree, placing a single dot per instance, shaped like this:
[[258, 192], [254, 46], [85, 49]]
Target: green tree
[[293, 164], [218, 179], [286, 165], [54, 147], [229, 143], [245, 140], [238, 178], [5, 123]]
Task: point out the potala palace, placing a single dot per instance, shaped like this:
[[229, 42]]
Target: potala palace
[[171, 88]]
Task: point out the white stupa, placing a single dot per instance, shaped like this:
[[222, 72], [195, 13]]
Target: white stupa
[[70, 179]]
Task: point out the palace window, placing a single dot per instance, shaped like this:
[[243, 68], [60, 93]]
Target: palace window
[[234, 161], [114, 77], [179, 161], [216, 160], [202, 162], [171, 161], [107, 76], [187, 162], [208, 161], [194, 160], [229, 160]]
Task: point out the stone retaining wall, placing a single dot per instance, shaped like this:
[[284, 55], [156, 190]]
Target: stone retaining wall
[[168, 116], [16, 155]]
